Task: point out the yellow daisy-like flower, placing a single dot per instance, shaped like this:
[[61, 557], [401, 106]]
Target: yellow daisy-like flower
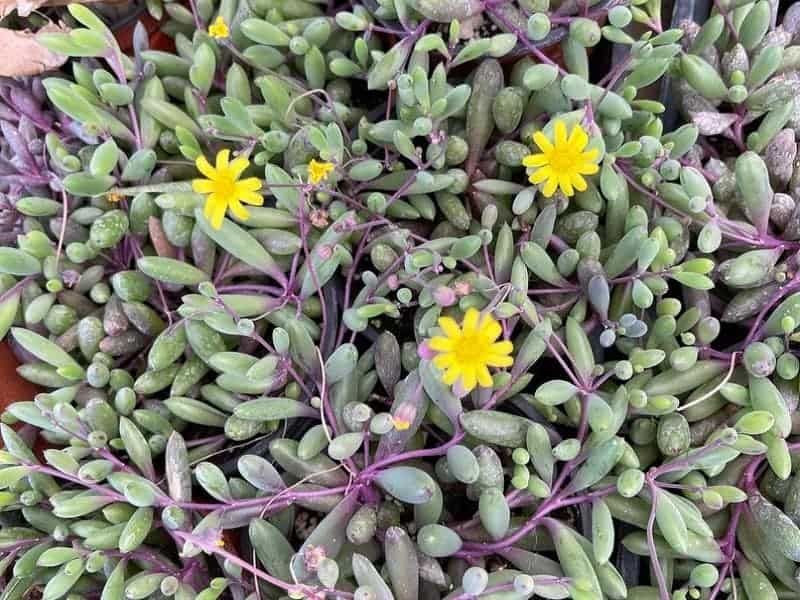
[[219, 29], [467, 352], [114, 197], [562, 162], [317, 171], [224, 188]]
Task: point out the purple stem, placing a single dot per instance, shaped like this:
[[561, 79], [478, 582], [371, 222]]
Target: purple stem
[[755, 329], [116, 65], [663, 592], [308, 591], [477, 549], [521, 36]]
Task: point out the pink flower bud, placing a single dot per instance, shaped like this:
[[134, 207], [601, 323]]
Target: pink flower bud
[[404, 416], [425, 352], [462, 288], [319, 218], [444, 296], [313, 556]]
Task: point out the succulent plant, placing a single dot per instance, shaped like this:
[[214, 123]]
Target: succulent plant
[[35, 140]]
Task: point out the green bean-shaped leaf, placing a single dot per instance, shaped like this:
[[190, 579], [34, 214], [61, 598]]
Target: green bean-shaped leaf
[[756, 584], [194, 411], [367, 575], [170, 270], [496, 427], [341, 362], [55, 557], [540, 264], [176, 467], [242, 245], [260, 473], [494, 512], [17, 262], [113, 589], [670, 521], [272, 549], [271, 409], [537, 441], [44, 349], [438, 541], [61, 583], [136, 446], [764, 395], [602, 531], [600, 460], [401, 563], [213, 480], [136, 529], [407, 484], [574, 561], [783, 533], [580, 348]]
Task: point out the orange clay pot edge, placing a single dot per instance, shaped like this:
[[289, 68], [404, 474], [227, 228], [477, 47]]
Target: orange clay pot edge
[[13, 388]]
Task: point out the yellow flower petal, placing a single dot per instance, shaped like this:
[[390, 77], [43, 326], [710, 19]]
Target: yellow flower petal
[[484, 377], [470, 322], [451, 376], [491, 330], [578, 182], [444, 361], [496, 360], [550, 187], [400, 424], [239, 211], [589, 169], [208, 208], [590, 155], [205, 167], [317, 171], [503, 347], [560, 130], [251, 198], [565, 183], [203, 186], [216, 213], [219, 28], [251, 184], [469, 379], [222, 160], [450, 327], [440, 344], [540, 175], [540, 139], [578, 139], [237, 167], [535, 160]]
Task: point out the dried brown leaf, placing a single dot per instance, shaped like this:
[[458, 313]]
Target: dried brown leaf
[[26, 7], [23, 55]]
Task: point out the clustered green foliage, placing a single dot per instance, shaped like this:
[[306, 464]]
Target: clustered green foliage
[[253, 411]]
